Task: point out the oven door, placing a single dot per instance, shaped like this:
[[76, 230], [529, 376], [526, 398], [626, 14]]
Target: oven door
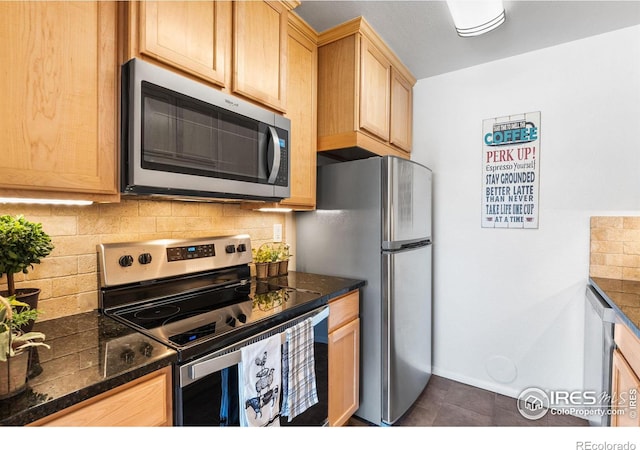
[[207, 389]]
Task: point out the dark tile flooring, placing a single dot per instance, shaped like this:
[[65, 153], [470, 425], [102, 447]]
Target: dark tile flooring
[[446, 402]]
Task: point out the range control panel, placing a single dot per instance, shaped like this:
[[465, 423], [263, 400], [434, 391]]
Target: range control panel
[[133, 262], [190, 252]]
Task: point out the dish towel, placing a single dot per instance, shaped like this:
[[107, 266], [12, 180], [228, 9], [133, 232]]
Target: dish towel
[[298, 370], [259, 377]]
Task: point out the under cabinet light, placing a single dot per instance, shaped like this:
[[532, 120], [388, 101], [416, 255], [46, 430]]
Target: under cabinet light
[[44, 201], [473, 18], [279, 210]]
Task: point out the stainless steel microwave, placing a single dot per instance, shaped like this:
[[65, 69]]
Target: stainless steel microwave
[[183, 139]]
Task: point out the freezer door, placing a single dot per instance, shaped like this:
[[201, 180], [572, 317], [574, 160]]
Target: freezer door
[[406, 202], [406, 329]]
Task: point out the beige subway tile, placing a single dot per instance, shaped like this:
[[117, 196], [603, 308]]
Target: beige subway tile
[[210, 209], [605, 272], [184, 209], [631, 273], [58, 307], [631, 223], [632, 248], [52, 267], [88, 263], [98, 225], [154, 208], [170, 224], [57, 225], [69, 210], [27, 211], [606, 222], [119, 237], [597, 259], [152, 236], [614, 260], [87, 282], [630, 261], [127, 208], [137, 224], [88, 301], [64, 286], [632, 235], [606, 247], [199, 223], [74, 245]]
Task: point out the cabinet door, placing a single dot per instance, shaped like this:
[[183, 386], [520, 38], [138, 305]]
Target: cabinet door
[[375, 82], [260, 52], [191, 36], [58, 111], [302, 63], [344, 373], [624, 392], [144, 402], [401, 127]]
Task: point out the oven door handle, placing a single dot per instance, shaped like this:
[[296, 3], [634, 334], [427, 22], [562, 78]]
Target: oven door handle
[[204, 368]]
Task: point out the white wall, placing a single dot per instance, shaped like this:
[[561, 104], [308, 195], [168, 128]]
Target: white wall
[[508, 304]]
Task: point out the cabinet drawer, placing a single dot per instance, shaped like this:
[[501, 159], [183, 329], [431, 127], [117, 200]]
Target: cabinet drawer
[[629, 345], [343, 310]]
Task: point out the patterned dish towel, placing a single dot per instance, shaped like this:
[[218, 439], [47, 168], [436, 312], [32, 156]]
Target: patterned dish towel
[[259, 378], [298, 370]]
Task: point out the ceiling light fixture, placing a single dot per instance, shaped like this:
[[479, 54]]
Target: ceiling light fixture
[[473, 18]]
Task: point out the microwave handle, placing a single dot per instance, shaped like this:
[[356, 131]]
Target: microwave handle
[[274, 143]]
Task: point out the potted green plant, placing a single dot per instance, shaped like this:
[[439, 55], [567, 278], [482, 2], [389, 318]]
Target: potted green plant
[[261, 258], [15, 344], [22, 244], [283, 258]]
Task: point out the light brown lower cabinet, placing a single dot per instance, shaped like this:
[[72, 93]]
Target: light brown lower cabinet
[[625, 380], [344, 358], [144, 402]]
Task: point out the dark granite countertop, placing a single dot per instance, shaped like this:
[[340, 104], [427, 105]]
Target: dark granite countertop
[[84, 358], [624, 297]]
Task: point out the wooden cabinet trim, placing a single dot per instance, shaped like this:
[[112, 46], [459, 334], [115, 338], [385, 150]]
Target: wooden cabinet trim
[[624, 381], [344, 365]]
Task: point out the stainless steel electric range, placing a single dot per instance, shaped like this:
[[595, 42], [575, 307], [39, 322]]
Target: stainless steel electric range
[[197, 297]]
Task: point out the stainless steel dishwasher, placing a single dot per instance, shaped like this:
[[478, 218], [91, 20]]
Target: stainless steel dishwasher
[[598, 351]]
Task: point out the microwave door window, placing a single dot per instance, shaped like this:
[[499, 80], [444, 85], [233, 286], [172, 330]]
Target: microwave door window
[[159, 134], [238, 150]]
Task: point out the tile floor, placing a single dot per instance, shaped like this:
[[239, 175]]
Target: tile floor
[[448, 403]]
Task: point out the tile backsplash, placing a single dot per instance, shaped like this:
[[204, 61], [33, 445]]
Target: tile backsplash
[[615, 248], [68, 277]]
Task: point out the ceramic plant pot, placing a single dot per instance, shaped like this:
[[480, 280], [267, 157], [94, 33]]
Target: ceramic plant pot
[[13, 375]]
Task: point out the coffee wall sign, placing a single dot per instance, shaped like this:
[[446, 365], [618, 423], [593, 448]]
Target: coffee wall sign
[[510, 171]]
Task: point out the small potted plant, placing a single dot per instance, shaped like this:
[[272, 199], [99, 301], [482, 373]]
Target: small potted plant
[[283, 259], [15, 344], [261, 258], [22, 244]]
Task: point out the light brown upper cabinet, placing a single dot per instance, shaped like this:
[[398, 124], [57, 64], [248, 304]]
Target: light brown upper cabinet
[[239, 47], [302, 66], [58, 115], [260, 52], [194, 37], [364, 92]]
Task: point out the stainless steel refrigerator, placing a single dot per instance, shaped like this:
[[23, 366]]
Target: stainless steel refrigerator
[[373, 222]]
